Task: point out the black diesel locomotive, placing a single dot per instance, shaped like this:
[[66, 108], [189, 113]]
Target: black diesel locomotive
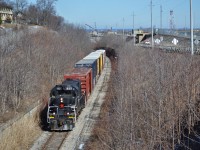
[[66, 101]]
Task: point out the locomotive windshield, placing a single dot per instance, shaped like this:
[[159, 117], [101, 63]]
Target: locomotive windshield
[[61, 90], [69, 93]]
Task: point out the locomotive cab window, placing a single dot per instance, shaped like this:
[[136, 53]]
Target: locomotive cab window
[[69, 93]]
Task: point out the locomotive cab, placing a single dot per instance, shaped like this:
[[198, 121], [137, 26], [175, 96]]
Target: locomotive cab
[[65, 103]]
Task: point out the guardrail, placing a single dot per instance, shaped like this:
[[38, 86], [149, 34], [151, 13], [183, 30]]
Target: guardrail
[[180, 34], [176, 49]]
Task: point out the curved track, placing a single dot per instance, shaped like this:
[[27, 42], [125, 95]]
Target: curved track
[[55, 141]]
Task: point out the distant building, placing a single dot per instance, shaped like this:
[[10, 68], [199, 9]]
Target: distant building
[[6, 13], [94, 33], [111, 32]]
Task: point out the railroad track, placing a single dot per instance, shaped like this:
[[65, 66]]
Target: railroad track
[[55, 141]]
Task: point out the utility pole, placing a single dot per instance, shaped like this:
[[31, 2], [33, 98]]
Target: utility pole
[[152, 41], [171, 22], [185, 23], [95, 26], [194, 20], [191, 29], [161, 11], [133, 28], [123, 28]]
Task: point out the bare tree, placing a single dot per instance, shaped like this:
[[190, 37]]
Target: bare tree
[[46, 8], [21, 5], [32, 14]]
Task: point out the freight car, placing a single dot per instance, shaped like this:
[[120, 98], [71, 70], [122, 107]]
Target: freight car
[[70, 97]]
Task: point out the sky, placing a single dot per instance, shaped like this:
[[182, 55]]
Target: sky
[[113, 14]]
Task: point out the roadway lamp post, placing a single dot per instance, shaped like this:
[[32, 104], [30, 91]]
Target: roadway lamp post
[[191, 29]]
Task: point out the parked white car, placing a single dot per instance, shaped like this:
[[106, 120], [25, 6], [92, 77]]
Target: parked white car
[[147, 42]]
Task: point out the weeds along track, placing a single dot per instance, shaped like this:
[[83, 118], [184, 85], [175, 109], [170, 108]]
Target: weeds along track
[[55, 141]]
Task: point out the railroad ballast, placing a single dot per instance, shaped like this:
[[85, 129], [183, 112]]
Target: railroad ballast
[[70, 97]]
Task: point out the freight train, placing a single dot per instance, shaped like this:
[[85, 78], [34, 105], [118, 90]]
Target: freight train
[[70, 97]]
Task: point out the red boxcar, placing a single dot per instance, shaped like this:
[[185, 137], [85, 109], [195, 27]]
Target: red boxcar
[[85, 75]]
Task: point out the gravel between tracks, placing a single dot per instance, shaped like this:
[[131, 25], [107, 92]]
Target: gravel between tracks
[[87, 118]]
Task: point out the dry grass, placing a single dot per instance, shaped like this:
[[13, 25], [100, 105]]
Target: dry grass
[[21, 134], [8, 25]]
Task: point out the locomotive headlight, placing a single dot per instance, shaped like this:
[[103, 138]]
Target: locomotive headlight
[[61, 99], [54, 113]]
